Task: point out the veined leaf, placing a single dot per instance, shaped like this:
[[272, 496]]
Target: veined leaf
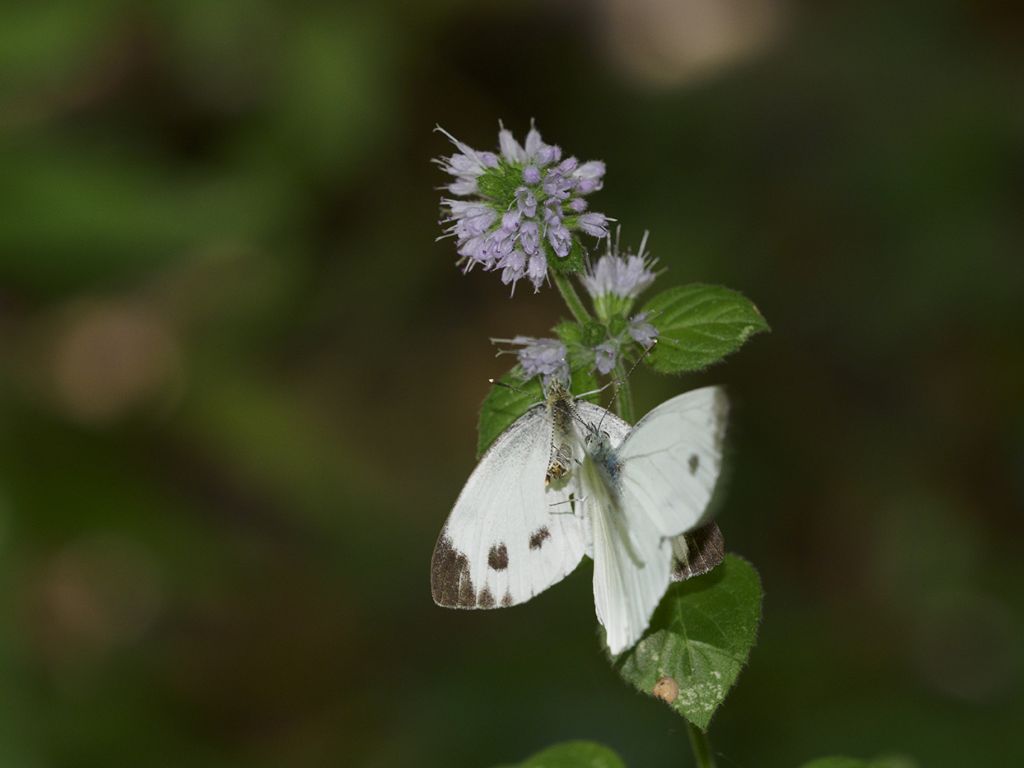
[[573, 754], [699, 639], [699, 325]]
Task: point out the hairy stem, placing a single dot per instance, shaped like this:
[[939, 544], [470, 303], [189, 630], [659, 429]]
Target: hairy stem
[[572, 299], [701, 746], [624, 395]]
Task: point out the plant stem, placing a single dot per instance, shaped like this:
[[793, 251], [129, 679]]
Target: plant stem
[[572, 299], [623, 395], [701, 746]]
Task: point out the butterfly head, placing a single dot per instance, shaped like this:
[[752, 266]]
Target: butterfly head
[[597, 442]]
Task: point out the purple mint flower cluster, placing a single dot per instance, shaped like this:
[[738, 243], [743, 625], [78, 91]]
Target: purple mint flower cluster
[[541, 357], [548, 358], [606, 354], [522, 205], [622, 276]]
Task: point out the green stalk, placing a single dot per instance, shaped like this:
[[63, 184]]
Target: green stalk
[[623, 395], [701, 746], [572, 299]]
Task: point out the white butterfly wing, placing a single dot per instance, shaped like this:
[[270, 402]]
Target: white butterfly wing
[[667, 467], [616, 429], [671, 460], [508, 536], [591, 413], [632, 562]]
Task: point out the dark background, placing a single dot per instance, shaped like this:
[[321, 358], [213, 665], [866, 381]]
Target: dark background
[[240, 378]]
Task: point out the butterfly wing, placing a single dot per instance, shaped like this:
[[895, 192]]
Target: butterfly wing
[[696, 552], [592, 413], [631, 561], [508, 537], [642, 510], [671, 459]]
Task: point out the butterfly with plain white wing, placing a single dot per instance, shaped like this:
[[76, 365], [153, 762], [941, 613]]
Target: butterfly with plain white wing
[[569, 478]]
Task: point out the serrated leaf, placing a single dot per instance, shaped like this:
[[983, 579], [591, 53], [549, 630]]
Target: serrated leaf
[[849, 762], [503, 405], [574, 754], [699, 639], [699, 325]]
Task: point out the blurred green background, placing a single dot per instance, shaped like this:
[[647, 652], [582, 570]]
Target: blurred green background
[[240, 378]]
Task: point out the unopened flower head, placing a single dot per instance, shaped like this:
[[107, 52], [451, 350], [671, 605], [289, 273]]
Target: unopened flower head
[[540, 357], [618, 278], [524, 205]]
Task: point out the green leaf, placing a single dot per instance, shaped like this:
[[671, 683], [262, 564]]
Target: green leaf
[[503, 405], [574, 754], [699, 325], [584, 380], [698, 641], [849, 762]]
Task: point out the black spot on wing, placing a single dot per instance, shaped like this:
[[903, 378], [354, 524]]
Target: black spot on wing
[[486, 599], [497, 558], [506, 601], [538, 537], [450, 582], [705, 549], [694, 463]]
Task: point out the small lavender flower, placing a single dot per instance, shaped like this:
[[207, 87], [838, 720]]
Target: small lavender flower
[[605, 356], [541, 357], [589, 177], [594, 224], [617, 279], [642, 332], [525, 205], [467, 166]]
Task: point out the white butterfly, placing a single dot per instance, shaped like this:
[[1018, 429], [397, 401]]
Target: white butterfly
[[569, 478]]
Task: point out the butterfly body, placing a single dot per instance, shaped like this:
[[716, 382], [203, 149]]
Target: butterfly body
[[563, 411]]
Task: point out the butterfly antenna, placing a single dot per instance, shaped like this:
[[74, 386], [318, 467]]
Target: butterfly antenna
[[506, 385], [618, 381]]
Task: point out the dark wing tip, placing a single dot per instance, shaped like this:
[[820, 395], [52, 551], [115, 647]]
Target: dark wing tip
[[450, 583], [706, 550]]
